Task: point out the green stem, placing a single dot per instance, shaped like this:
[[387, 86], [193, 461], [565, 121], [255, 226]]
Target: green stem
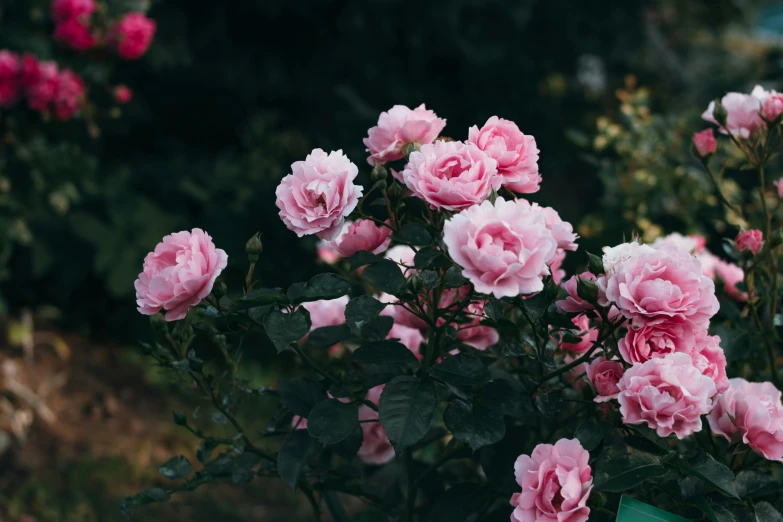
[[410, 504]]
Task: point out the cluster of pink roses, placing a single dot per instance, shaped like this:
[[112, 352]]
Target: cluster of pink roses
[[741, 115], [130, 36], [45, 87]]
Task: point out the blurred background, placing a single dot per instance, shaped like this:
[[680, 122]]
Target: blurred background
[[228, 96]]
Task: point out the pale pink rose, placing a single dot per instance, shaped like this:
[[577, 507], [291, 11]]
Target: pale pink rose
[[692, 244], [410, 337], [751, 240], [587, 334], [9, 78], [773, 107], [704, 143], [742, 114], [319, 194], [132, 35], [614, 257], [515, 153], [708, 357], [754, 410], [400, 313], [668, 394], [561, 230], [63, 10], [397, 128], [573, 304], [327, 312], [556, 482], [731, 275], [376, 448], [451, 175], [604, 376], [41, 93], [178, 274], [656, 340], [75, 34], [362, 235], [504, 248], [556, 266], [474, 334], [761, 94], [779, 185], [656, 285], [326, 252], [69, 95], [402, 255]]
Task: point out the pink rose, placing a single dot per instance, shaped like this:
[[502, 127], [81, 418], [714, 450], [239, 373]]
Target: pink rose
[[362, 235], [64, 10], [399, 127], [577, 374], [504, 248], [515, 153], [133, 35], [556, 266], [75, 34], [562, 231], [400, 314], [773, 107], [656, 285], [573, 304], [9, 78], [451, 175], [326, 252], [472, 332], [376, 448], [751, 240], [742, 114], [604, 376], [754, 410], [704, 143], [587, 334], [692, 244], [122, 94], [69, 95], [30, 71], [708, 357], [179, 273], [410, 337], [319, 194], [41, 94], [731, 275], [556, 483], [668, 394], [656, 340], [779, 185], [326, 312]]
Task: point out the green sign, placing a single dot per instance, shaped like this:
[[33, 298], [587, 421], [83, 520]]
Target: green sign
[[631, 510]]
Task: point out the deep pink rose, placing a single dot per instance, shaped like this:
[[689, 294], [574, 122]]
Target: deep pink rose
[[742, 114], [604, 376], [64, 10], [75, 34], [410, 337], [573, 304], [754, 410], [587, 334], [668, 394], [133, 35], [376, 448], [656, 340], [751, 240], [779, 186], [179, 273], [772, 107], [319, 194], [40, 94], [399, 127], [122, 94], [362, 235], [504, 248], [9, 78], [69, 95], [656, 285], [451, 175], [30, 71], [708, 357], [704, 143], [556, 266], [516, 154], [556, 483]]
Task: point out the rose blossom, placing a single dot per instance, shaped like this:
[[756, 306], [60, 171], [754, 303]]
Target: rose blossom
[[326, 312], [587, 335], [399, 127], [504, 248], [179, 273], [362, 235], [751, 240], [655, 285], [473, 333], [133, 35], [515, 153], [556, 483], [704, 143], [779, 185], [326, 252], [376, 448], [9, 81], [556, 266], [41, 93], [122, 94], [708, 357], [772, 107], [692, 244], [451, 175], [754, 410], [604, 376], [576, 375], [402, 255], [668, 394], [64, 10], [410, 337], [573, 304], [731, 275], [69, 95], [562, 231], [656, 340], [742, 114], [319, 194], [75, 34]]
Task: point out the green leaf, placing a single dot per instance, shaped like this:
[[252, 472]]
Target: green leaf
[[205, 449], [713, 511], [295, 451], [406, 408], [454, 278], [766, 513], [175, 468], [259, 297], [426, 257], [457, 504], [461, 370], [323, 286], [548, 404], [301, 394], [412, 234], [591, 432], [619, 469], [284, 329], [494, 309], [148, 496], [243, 467], [362, 258], [328, 335], [703, 466], [385, 353], [511, 396], [479, 425], [632, 510], [378, 328], [385, 276], [331, 421], [536, 306], [753, 484], [361, 310], [349, 446]]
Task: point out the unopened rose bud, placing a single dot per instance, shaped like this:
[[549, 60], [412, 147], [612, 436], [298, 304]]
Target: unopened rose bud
[[179, 418], [409, 149], [704, 143], [254, 247], [415, 284], [773, 108], [719, 113], [751, 240], [595, 264], [395, 190], [587, 290], [378, 172]]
